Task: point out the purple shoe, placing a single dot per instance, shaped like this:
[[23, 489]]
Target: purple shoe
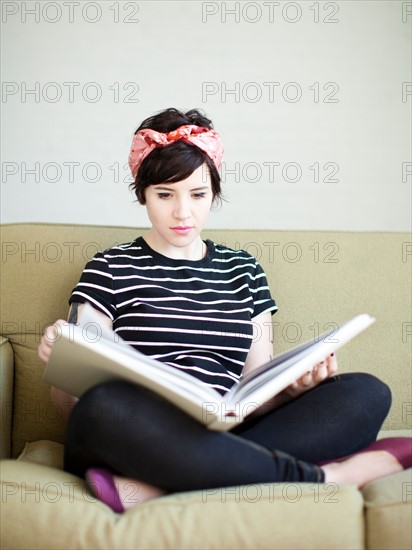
[[100, 483], [399, 447]]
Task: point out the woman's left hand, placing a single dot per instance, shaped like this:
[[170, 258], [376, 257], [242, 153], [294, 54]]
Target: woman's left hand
[[312, 378]]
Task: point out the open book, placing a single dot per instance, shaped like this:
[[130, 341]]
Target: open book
[[88, 353]]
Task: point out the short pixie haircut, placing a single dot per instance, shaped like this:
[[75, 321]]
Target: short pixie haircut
[[176, 161]]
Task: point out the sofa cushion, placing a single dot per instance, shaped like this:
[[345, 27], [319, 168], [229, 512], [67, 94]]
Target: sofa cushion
[[47, 453], [388, 509], [59, 512]]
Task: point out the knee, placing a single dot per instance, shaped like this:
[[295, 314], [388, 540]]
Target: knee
[[371, 391], [382, 392], [104, 406], [372, 384]]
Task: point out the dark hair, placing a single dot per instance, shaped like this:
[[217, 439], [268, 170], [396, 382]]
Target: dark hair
[[176, 161]]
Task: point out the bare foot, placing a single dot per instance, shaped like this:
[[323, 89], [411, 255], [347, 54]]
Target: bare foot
[[362, 468], [133, 492]]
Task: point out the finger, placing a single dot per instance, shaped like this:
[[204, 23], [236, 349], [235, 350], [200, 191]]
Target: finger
[[45, 341], [321, 371], [306, 379], [53, 331], [49, 336], [293, 390], [44, 351], [332, 364]]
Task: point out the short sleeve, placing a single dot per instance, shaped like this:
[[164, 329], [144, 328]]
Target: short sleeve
[[262, 299], [96, 286]]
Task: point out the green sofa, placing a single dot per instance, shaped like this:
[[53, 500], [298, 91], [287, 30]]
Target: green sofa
[[317, 278]]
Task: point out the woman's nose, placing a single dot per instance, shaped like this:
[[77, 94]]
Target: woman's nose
[[182, 210]]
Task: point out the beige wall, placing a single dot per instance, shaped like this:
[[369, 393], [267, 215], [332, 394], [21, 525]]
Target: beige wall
[[313, 101]]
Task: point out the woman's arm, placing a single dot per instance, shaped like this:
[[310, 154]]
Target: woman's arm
[[63, 401], [261, 352]]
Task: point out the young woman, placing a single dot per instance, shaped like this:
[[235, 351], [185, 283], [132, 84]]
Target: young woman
[[194, 304]]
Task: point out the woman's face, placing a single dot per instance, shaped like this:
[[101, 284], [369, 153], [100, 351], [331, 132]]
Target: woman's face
[[178, 212]]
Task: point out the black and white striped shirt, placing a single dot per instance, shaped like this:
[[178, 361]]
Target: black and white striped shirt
[[193, 315]]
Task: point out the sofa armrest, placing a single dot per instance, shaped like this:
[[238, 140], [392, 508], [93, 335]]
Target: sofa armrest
[[6, 396]]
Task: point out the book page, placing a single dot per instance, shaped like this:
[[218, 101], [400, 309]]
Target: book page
[[285, 368]]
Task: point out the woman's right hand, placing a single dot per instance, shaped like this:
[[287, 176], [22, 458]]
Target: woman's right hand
[[49, 337]]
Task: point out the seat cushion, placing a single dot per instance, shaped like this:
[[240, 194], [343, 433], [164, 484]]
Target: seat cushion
[[388, 507], [328, 516], [57, 511], [48, 453]]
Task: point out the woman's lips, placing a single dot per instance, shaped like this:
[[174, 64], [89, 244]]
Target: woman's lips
[[182, 230]]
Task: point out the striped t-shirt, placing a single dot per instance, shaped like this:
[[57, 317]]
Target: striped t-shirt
[[193, 315]]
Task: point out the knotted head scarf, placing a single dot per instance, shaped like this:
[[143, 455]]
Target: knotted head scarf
[[144, 141]]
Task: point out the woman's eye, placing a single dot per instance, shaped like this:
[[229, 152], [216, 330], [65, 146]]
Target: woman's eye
[[163, 195], [199, 195]]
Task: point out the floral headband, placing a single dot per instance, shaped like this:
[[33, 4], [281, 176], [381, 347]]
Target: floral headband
[[146, 140]]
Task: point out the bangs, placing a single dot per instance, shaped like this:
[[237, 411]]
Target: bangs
[[173, 163]]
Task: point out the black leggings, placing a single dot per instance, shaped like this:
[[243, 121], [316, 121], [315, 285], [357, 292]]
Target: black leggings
[[137, 434]]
